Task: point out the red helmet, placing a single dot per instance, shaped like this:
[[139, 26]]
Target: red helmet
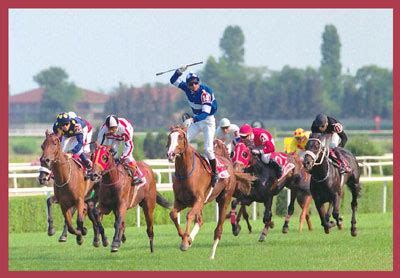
[[245, 130]]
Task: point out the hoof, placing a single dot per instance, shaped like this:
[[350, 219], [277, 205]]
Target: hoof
[[340, 226], [123, 239], [236, 229], [79, 240], [262, 238], [272, 224], [115, 247], [62, 239], [51, 231], [96, 243], [84, 231], [353, 232], [285, 230], [184, 246], [105, 242]]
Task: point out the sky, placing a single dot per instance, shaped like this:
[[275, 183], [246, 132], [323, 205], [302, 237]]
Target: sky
[[99, 48]]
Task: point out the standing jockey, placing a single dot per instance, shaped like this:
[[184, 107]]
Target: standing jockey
[[115, 131], [204, 105], [298, 142], [329, 125], [75, 134], [227, 133], [261, 142]]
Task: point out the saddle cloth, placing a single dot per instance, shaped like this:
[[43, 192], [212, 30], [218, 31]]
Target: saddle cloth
[[282, 160], [78, 161], [221, 167]]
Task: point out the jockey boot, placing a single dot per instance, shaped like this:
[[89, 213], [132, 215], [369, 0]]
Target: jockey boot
[[214, 179], [88, 165], [277, 167], [132, 169], [343, 167]]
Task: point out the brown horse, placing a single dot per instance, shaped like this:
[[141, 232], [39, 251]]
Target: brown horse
[[191, 184], [70, 187], [268, 185], [116, 193]]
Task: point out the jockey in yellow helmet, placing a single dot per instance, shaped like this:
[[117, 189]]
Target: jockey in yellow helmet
[[298, 142]]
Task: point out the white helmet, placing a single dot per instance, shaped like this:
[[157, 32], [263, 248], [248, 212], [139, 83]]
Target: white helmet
[[224, 122]]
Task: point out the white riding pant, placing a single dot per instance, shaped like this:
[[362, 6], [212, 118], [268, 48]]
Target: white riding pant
[[335, 141], [207, 126], [68, 143]]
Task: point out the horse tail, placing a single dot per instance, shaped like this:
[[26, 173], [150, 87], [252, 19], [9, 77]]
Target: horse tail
[[245, 181], [162, 201]]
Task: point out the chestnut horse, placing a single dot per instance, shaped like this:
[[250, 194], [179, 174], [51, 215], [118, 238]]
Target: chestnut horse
[[268, 185], [326, 182], [70, 187], [116, 193], [191, 184]]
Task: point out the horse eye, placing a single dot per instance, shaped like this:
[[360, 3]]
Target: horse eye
[[41, 146], [104, 158]]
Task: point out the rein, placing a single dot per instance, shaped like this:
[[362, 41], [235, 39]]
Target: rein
[[69, 175], [325, 152], [190, 173]]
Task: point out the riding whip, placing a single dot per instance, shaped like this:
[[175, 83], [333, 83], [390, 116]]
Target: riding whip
[[189, 65]]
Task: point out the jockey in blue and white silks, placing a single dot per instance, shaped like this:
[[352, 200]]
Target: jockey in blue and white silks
[[204, 105]]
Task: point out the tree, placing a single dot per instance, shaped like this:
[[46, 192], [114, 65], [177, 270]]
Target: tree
[[59, 94], [232, 45], [331, 69]]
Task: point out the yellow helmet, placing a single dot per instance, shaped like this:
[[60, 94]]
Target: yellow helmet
[[299, 132]]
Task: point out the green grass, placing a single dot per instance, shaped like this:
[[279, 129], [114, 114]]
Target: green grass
[[372, 249]]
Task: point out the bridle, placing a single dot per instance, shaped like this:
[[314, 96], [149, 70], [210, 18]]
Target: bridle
[[180, 154], [325, 151], [107, 169]]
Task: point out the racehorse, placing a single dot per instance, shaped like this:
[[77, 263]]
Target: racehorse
[[115, 193], [70, 188], [268, 185], [327, 184], [191, 184]]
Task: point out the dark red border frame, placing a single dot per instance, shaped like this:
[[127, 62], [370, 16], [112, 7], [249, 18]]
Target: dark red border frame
[[7, 4]]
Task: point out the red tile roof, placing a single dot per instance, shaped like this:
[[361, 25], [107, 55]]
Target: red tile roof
[[36, 95]]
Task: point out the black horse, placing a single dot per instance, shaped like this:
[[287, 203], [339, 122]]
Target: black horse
[[266, 186], [327, 184]]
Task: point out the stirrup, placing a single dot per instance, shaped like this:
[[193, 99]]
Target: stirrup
[[136, 180]]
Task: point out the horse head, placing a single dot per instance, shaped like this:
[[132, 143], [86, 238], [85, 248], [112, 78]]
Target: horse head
[[241, 157], [221, 149], [51, 150], [103, 161], [316, 150], [177, 143]]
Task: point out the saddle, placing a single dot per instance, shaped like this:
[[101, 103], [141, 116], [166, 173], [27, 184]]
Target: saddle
[[221, 167]]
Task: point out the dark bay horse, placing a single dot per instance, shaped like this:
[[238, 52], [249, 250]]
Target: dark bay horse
[[70, 187], [268, 185], [326, 182], [116, 193], [191, 184]]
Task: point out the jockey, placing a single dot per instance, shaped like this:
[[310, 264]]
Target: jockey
[[263, 144], [115, 131], [299, 141], [329, 125], [227, 133], [204, 105], [75, 134]]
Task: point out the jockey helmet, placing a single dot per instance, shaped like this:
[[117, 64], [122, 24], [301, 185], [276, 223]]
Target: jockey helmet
[[192, 77], [224, 122], [63, 118], [245, 130], [299, 133], [112, 121], [321, 120]]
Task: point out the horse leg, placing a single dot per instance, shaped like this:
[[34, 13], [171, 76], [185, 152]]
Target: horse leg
[[68, 221], [198, 222], [63, 236], [50, 228], [235, 219], [290, 210], [196, 209], [174, 217], [355, 191], [335, 214], [79, 221], [267, 218], [305, 206], [148, 210], [246, 217], [222, 207], [93, 216], [119, 226], [321, 211]]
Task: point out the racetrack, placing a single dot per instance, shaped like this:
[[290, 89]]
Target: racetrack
[[372, 249]]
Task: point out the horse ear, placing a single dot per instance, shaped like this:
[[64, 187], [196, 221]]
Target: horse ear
[[96, 145], [108, 148], [47, 132]]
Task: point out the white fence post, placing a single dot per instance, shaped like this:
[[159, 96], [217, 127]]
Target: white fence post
[[384, 197], [137, 216], [254, 211]]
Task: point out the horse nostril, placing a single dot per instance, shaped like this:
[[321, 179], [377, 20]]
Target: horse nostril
[[47, 160]]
